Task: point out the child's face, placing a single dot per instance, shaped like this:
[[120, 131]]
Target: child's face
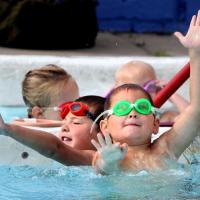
[[76, 132], [134, 128]]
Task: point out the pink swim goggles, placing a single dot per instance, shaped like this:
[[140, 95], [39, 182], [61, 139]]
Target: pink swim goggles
[[151, 87]]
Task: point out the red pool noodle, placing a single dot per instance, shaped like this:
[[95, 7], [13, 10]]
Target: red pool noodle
[[172, 86]]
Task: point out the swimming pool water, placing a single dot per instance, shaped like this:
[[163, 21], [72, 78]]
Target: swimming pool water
[[58, 182], [62, 183], [12, 112]]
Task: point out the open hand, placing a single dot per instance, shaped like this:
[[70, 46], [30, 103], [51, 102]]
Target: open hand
[[192, 38], [109, 152]]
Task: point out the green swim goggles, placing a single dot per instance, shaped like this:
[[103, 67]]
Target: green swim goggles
[[123, 107]]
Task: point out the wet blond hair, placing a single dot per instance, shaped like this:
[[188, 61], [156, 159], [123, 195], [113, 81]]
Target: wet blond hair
[[42, 85]]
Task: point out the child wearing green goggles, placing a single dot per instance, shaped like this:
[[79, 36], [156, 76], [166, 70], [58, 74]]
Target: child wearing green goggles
[[142, 106], [127, 131], [121, 108]]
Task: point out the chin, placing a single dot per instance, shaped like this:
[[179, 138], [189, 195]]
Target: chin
[[132, 136], [132, 131], [71, 145]]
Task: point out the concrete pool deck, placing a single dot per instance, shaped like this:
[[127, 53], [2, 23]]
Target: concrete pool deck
[[117, 44]]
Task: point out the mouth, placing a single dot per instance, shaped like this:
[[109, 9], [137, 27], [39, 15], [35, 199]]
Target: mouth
[[66, 139], [133, 124]]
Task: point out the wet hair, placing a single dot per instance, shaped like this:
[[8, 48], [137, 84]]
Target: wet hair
[[95, 104], [41, 85], [129, 86]]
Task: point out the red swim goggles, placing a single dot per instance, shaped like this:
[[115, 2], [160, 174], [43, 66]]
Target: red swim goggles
[[76, 108]]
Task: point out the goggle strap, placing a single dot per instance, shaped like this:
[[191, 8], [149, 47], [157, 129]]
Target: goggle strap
[[55, 108], [90, 115], [98, 117], [156, 112]]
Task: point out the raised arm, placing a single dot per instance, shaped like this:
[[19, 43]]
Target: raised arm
[[46, 144], [187, 124]]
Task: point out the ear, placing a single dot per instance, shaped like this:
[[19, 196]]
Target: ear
[[156, 125], [104, 126], [37, 112]]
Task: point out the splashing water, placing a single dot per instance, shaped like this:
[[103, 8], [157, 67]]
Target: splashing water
[[60, 183]]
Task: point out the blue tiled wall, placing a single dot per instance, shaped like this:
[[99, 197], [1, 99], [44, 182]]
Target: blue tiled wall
[[145, 15]]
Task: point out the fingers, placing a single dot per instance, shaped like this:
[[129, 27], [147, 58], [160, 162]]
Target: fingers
[[198, 19], [96, 144], [117, 144], [179, 36], [123, 147], [101, 140], [193, 21], [191, 39], [107, 144], [108, 139]]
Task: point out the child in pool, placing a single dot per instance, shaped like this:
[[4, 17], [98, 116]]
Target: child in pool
[[46, 87], [74, 146], [143, 74], [131, 123], [137, 72]]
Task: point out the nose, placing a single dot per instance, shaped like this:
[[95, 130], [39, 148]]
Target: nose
[[133, 114], [65, 127]]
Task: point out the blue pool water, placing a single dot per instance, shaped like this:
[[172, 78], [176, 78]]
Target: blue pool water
[[12, 112], [62, 183], [58, 182]]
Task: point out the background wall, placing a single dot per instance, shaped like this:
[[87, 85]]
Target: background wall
[[161, 16], [94, 75]]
